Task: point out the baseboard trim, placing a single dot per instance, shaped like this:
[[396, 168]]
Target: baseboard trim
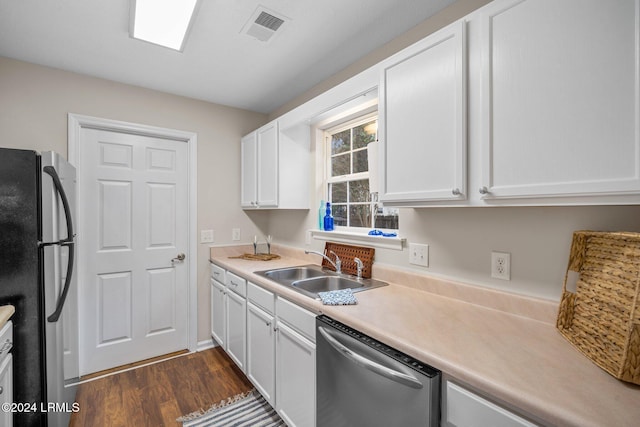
[[206, 344]]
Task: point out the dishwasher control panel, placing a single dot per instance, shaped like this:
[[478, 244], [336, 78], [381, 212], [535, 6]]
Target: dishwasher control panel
[[401, 357]]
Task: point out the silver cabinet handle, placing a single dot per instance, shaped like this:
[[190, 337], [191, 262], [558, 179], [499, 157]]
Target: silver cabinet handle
[[483, 190], [379, 369], [456, 192], [8, 345], [1, 389]]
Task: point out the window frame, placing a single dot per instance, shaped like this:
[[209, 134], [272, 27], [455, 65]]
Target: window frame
[[372, 203], [357, 176]]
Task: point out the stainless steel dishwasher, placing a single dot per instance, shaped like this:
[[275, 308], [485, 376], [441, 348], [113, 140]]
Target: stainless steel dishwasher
[[363, 382]]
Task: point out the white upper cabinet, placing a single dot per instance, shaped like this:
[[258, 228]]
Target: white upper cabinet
[[259, 152], [275, 168], [249, 174], [422, 120], [560, 101]]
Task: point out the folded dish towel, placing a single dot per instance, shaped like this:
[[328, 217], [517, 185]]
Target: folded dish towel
[[339, 297]]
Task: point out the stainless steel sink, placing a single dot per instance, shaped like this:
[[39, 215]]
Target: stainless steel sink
[[311, 279], [292, 274], [324, 284]]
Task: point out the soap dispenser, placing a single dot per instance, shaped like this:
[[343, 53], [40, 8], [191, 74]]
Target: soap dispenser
[[328, 219]]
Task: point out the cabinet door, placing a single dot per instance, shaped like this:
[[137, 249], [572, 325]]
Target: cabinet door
[[6, 389], [296, 377], [218, 313], [249, 173], [466, 409], [236, 328], [560, 98], [268, 165], [261, 365], [422, 121]]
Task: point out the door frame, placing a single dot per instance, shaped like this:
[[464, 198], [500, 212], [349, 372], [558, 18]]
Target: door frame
[[76, 122]]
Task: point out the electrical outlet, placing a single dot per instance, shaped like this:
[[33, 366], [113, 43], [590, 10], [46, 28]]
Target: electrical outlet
[[206, 236], [235, 234], [419, 254], [501, 265]]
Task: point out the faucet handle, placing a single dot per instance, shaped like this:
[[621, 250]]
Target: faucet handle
[[338, 262], [360, 266]]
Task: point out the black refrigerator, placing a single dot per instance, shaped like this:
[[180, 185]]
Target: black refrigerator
[[37, 246]]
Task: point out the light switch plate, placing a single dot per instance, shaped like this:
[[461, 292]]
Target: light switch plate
[[206, 236], [419, 254], [235, 234]]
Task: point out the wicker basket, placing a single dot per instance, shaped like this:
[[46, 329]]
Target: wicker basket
[[347, 253], [602, 318]]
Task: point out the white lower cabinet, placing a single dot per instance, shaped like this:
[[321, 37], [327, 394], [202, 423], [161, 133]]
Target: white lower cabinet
[[236, 328], [229, 314], [218, 313], [6, 373], [261, 350], [295, 364], [462, 408], [272, 340]]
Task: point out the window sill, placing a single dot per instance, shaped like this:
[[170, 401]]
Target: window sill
[[395, 243]]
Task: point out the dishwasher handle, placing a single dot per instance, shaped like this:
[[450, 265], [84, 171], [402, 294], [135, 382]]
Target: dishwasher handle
[[371, 365]]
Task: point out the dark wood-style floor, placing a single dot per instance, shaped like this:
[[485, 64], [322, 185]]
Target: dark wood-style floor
[[157, 394]]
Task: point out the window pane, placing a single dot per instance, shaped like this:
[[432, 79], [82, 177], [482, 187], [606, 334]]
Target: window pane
[[340, 165], [387, 218], [359, 191], [339, 192], [360, 215], [360, 163], [339, 213], [364, 134], [341, 142]]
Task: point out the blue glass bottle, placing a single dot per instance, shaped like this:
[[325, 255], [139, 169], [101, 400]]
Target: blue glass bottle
[[328, 219]]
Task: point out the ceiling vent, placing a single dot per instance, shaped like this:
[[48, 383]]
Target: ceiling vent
[[263, 24]]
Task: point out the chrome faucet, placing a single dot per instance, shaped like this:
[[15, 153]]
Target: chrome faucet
[[360, 266], [337, 265]]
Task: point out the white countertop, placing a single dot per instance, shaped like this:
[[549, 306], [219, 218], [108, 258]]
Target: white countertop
[[513, 358], [6, 311]]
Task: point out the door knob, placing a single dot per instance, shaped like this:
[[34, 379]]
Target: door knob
[[179, 258]]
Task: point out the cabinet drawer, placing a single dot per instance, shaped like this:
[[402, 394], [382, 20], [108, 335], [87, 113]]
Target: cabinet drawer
[[298, 318], [217, 273], [465, 408], [261, 297], [6, 338], [237, 284]]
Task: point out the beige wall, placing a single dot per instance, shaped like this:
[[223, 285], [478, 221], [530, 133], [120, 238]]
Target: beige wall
[[35, 101]]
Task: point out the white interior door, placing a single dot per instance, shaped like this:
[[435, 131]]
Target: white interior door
[[134, 220]]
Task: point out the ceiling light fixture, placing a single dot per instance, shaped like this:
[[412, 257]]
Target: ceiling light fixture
[[163, 22]]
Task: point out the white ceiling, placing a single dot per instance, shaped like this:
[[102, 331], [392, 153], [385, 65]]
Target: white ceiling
[[218, 64]]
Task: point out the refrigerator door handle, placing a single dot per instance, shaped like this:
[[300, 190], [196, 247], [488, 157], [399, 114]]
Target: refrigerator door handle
[[50, 170], [67, 282]]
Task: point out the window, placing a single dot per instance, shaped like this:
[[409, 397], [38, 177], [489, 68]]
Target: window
[[352, 203]]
